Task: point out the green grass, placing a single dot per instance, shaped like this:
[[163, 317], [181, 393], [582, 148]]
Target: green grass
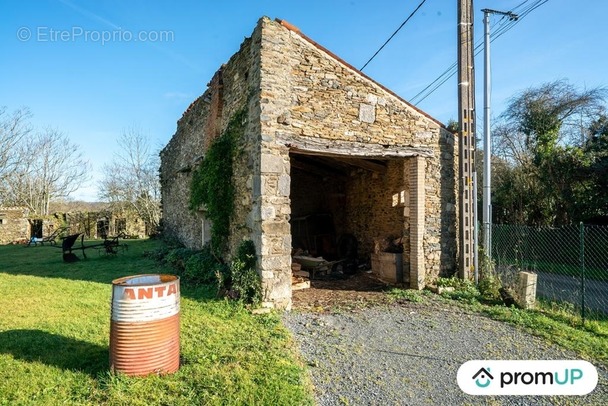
[[410, 295], [556, 322], [54, 338], [560, 327], [598, 274]]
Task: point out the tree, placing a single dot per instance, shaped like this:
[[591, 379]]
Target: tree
[[131, 179], [541, 140], [48, 166], [596, 149], [554, 113], [13, 128]]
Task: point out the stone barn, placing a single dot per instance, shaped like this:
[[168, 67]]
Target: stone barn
[[326, 155], [14, 225]]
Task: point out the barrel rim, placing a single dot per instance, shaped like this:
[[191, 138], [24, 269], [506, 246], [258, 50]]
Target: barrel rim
[[162, 279]]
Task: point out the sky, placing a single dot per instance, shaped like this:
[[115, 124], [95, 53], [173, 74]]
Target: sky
[[94, 69]]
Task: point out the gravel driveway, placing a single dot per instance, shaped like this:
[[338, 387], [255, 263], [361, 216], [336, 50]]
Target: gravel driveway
[[409, 353]]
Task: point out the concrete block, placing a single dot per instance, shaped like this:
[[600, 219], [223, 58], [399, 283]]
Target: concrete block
[[526, 289]]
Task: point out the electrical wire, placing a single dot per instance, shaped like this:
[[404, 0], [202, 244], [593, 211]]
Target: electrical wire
[[501, 29], [395, 33], [505, 24]]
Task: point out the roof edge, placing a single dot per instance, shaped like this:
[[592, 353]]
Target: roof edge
[[296, 30]]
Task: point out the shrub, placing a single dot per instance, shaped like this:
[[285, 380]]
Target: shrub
[[204, 268], [212, 184], [489, 286], [245, 280], [238, 280], [490, 283], [178, 257]]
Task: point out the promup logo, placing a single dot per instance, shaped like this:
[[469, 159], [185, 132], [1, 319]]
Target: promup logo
[[527, 377], [483, 375]]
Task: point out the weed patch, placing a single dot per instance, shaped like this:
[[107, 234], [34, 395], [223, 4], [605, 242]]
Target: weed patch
[[406, 294]]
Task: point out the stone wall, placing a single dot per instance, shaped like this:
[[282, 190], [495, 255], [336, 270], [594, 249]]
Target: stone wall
[[17, 224], [295, 92], [13, 225], [233, 88], [308, 93], [118, 220], [371, 212], [178, 159]]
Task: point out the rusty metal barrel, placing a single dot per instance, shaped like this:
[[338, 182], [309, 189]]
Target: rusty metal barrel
[[144, 326]]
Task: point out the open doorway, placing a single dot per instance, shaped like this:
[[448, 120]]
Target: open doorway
[[346, 210], [36, 228], [103, 227]]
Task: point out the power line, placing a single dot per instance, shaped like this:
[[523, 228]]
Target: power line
[[503, 27], [451, 71], [395, 33]]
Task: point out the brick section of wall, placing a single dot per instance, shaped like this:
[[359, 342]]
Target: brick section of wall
[[213, 123], [417, 223]]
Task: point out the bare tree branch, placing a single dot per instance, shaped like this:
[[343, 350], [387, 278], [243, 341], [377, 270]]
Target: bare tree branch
[[49, 167], [131, 180], [13, 128]]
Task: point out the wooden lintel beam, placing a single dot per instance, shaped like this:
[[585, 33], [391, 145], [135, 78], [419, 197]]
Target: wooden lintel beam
[[317, 146]]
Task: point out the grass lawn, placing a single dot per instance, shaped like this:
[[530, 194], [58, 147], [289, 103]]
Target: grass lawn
[[591, 273], [555, 322], [55, 328], [561, 326]]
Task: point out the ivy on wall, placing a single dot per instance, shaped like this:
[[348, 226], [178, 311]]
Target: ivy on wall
[[212, 184]]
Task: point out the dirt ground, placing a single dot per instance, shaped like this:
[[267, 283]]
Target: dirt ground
[[366, 347], [328, 293]]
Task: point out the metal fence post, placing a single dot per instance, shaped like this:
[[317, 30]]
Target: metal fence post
[[582, 262]]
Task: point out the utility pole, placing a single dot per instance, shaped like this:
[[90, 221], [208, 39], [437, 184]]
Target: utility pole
[[487, 140], [466, 144]]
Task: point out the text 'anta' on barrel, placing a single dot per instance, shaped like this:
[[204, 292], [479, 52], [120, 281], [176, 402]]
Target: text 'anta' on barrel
[[144, 326]]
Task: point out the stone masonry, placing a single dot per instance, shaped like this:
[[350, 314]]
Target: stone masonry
[[299, 98], [13, 225]]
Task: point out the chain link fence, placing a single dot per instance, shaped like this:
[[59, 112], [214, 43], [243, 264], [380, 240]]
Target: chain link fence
[[571, 263]]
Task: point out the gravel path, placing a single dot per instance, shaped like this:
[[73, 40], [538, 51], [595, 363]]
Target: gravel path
[[408, 354]]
